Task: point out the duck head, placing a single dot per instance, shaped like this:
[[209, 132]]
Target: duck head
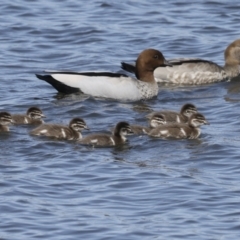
[[232, 53], [147, 61], [35, 113], [122, 129], [197, 119], [157, 120], [5, 118], [188, 109], [78, 124]]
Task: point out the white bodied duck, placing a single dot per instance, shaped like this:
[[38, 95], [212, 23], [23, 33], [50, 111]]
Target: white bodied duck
[[112, 85], [197, 71]]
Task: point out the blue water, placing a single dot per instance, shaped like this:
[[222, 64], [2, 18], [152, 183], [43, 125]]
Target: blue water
[[148, 189]]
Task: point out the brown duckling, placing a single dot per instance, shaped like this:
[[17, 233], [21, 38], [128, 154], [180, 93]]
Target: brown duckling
[[105, 140], [189, 130], [33, 115], [71, 132]]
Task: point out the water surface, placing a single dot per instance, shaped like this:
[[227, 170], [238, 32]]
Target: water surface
[[148, 189]]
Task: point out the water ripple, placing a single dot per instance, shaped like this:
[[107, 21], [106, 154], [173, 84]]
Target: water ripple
[[150, 188]]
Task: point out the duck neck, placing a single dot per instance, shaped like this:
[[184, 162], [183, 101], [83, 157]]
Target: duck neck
[[76, 134], [118, 137], [145, 76], [232, 70], [144, 73], [184, 118]]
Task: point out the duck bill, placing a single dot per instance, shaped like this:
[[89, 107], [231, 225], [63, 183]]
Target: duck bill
[[166, 63]]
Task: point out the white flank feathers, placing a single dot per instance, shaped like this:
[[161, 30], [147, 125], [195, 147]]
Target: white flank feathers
[[122, 88], [94, 141], [43, 131], [178, 119], [183, 132], [25, 120], [63, 132], [112, 141], [164, 132]]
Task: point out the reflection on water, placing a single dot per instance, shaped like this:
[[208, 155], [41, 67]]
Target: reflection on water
[[233, 90]]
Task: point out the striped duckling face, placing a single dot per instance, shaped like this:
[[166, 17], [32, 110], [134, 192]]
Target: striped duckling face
[[188, 109], [35, 113], [78, 124], [157, 120], [197, 119], [122, 129], [5, 118]]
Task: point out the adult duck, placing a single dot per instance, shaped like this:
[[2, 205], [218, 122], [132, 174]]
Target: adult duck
[[112, 85], [197, 71]]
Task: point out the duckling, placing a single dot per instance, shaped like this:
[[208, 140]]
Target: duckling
[[106, 140], [71, 132], [188, 130], [174, 117], [5, 120], [33, 116], [155, 121]]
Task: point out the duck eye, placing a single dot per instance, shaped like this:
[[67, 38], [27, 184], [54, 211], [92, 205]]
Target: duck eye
[[155, 56]]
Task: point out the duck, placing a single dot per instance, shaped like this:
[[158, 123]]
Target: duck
[[155, 121], [176, 117], [112, 85], [118, 137], [190, 130], [33, 116], [5, 120], [61, 132], [197, 71]]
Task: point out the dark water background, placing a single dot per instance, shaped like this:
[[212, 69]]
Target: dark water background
[[148, 189]]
